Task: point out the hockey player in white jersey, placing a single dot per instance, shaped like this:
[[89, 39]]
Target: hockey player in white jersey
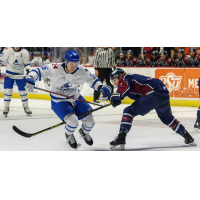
[[33, 61], [44, 60], [16, 59], [65, 78]]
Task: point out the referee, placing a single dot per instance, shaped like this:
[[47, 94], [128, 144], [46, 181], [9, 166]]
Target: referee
[[104, 61]]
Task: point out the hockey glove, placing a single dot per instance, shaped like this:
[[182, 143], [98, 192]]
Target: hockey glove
[[115, 99], [27, 71], [106, 91], [30, 83]]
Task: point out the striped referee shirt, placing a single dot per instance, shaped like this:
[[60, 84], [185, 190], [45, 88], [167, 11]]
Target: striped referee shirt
[[104, 58]]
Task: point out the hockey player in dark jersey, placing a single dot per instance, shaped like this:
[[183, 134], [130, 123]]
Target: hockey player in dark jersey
[[194, 60], [148, 93], [121, 60], [141, 60], [164, 61], [130, 61], [153, 61], [182, 60]]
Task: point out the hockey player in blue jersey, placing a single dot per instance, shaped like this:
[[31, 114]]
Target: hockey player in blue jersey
[[148, 93], [65, 79]]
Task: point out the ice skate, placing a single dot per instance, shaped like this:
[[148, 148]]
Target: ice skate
[[119, 142], [6, 111], [71, 141], [86, 137], [197, 126], [28, 111], [188, 138]]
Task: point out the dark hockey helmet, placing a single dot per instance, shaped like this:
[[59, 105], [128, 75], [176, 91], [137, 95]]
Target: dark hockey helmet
[[122, 52], [163, 53], [115, 74], [143, 51], [129, 51], [72, 56], [193, 49], [154, 53], [181, 50]]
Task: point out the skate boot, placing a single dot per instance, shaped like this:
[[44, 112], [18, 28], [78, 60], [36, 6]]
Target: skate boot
[[86, 137], [6, 111], [188, 138], [119, 142], [27, 111], [71, 141], [197, 125]]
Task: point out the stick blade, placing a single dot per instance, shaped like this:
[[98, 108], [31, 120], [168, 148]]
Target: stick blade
[[21, 132]]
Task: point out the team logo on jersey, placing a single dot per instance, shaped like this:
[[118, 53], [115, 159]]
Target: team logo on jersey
[[16, 64], [55, 66], [66, 89], [44, 67], [1, 54], [172, 81]]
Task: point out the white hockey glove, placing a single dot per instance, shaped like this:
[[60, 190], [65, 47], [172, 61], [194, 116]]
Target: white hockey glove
[[30, 83]]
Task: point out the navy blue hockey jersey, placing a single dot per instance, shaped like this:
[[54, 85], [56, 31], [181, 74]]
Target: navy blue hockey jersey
[[135, 85]]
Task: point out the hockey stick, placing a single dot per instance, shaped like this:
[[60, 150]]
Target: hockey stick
[[28, 135], [67, 96]]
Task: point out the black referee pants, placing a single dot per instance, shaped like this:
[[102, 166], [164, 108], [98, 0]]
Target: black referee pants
[[104, 73]]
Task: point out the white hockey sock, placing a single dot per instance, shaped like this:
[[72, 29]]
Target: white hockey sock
[[88, 123], [24, 98], [7, 97], [71, 123]]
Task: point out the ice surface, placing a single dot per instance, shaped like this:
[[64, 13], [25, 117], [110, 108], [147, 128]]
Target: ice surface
[[147, 133]]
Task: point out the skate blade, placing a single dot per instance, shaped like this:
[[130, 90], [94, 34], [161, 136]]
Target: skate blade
[[5, 115], [196, 129], [29, 115], [193, 144], [117, 147]]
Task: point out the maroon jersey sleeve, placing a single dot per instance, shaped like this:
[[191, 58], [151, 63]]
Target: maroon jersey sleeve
[[123, 87], [134, 60], [147, 60], [185, 60], [198, 58], [170, 61], [159, 60]]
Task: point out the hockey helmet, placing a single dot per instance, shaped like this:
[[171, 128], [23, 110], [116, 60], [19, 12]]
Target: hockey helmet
[[50, 53], [122, 52], [154, 53], [181, 50], [72, 56], [116, 73], [163, 53], [31, 53], [44, 53], [129, 51], [193, 49]]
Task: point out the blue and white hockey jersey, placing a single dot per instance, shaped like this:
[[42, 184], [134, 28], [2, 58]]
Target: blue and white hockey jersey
[[64, 83], [15, 61]]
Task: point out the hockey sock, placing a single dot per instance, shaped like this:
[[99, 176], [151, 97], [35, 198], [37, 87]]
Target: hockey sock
[[7, 97], [88, 123], [24, 98], [198, 114], [126, 122], [71, 123], [70, 129], [176, 126]]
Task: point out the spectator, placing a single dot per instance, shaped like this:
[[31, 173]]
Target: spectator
[[149, 50], [121, 60], [194, 60], [104, 61], [182, 60], [130, 61], [85, 61], [44, 60], [116, 53], [153, 61], [164, 61], [50, 56], [33, 61], [141, 60]]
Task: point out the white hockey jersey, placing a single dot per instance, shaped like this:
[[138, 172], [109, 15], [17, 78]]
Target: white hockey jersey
[[34, 62], [64, 83], [45, 62], [15, 61]]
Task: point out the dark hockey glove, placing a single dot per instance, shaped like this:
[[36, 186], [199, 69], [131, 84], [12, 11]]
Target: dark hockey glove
[[106, 91], [115, 99], [30, 83]]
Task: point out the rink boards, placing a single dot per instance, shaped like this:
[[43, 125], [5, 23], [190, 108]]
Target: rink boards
[[181, 82]]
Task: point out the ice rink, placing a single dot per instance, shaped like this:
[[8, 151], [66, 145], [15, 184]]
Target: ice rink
[[147, 133]]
